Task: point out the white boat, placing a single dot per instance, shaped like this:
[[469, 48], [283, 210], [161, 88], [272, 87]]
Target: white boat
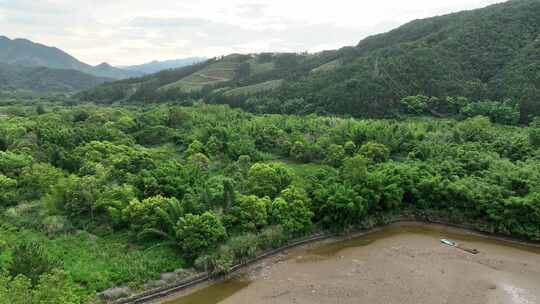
[[448, 242]]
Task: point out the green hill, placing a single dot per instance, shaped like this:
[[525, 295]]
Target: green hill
[[27, 53], [41, 79], [214, 76], [489, 53]]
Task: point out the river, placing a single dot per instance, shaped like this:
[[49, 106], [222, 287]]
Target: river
[[403, 263]]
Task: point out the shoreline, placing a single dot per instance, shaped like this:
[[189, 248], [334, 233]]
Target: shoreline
[[202, 280]]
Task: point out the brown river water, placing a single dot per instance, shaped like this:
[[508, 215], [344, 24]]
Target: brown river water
[[403, 263]]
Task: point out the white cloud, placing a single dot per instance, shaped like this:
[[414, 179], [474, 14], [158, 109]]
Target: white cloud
[[135, 31]]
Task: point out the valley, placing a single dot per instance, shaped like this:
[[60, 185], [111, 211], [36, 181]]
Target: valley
[[123, 182]]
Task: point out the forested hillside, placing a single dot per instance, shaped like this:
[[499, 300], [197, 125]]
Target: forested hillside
[[489, 53], [15, 78]]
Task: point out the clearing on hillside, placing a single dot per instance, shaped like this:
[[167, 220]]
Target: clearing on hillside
[[212, 74], [255, 88]]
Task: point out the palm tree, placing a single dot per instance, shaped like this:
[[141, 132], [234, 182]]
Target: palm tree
[[169, 215]]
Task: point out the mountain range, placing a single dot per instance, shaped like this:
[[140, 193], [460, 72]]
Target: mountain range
[[30, 66], [156, 66], [27, 53], [488, 53]]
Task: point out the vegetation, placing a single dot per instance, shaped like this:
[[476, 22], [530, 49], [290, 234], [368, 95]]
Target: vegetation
[[446, 125], [41, 79], [479, 54], [89, 192]]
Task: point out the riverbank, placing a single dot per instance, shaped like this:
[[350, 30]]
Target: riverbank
[[430, 252]]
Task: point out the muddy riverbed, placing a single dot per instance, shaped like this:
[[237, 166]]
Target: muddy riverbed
[[399, 264]]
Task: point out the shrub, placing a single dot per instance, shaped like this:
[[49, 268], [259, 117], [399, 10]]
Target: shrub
[[243, 247], [272, 237], [217, 263]]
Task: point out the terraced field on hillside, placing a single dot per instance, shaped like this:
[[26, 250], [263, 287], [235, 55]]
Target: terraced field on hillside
[[214, 73], [256, 88]]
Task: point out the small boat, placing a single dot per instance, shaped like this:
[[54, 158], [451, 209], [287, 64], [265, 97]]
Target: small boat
[[448, 242], [456, 245]]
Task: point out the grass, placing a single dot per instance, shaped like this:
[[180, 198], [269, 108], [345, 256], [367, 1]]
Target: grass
[[301, 171], [259, 68], [98, 264], [329, 66], [256, 88]]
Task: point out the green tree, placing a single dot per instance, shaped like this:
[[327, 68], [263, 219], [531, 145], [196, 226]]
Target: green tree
[[37, 179], [292, 211], [248, 213], [375, 152], [474, 129], [498, 112], [197, 234], [8, 191], [177, 117], [214, 146], [194, 148], [114, 199], [298, 150], [534, 132], [350, 148], [415, 104], [335, 155], [145, 214], [74, 196], [40, 109], [354, 169], [268, 179], [200, 161], [339, 207], [11, 164]]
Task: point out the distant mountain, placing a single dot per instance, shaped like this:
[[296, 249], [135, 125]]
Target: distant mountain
[[106, 70], [27, 53], [42, 79], [488, 53], [157, 66]]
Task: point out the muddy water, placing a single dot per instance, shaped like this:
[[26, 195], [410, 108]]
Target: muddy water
[[214, 293], [398, 264]]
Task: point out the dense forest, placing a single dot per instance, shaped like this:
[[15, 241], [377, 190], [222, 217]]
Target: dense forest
[[484, 54], [99, 196]]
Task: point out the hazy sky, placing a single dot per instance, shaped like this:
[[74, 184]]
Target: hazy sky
[[136, 31]]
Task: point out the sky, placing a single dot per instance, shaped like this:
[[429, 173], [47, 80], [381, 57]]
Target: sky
[[124, 32]]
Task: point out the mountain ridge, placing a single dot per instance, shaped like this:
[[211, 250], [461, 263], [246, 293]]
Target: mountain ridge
[[468, 53], [155, 66], [16, 78], [20, 51]]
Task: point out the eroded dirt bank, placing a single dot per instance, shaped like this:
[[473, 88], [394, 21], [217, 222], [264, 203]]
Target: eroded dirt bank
[[400, 264]]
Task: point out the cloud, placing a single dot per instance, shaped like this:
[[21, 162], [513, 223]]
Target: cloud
[[136, 31]]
